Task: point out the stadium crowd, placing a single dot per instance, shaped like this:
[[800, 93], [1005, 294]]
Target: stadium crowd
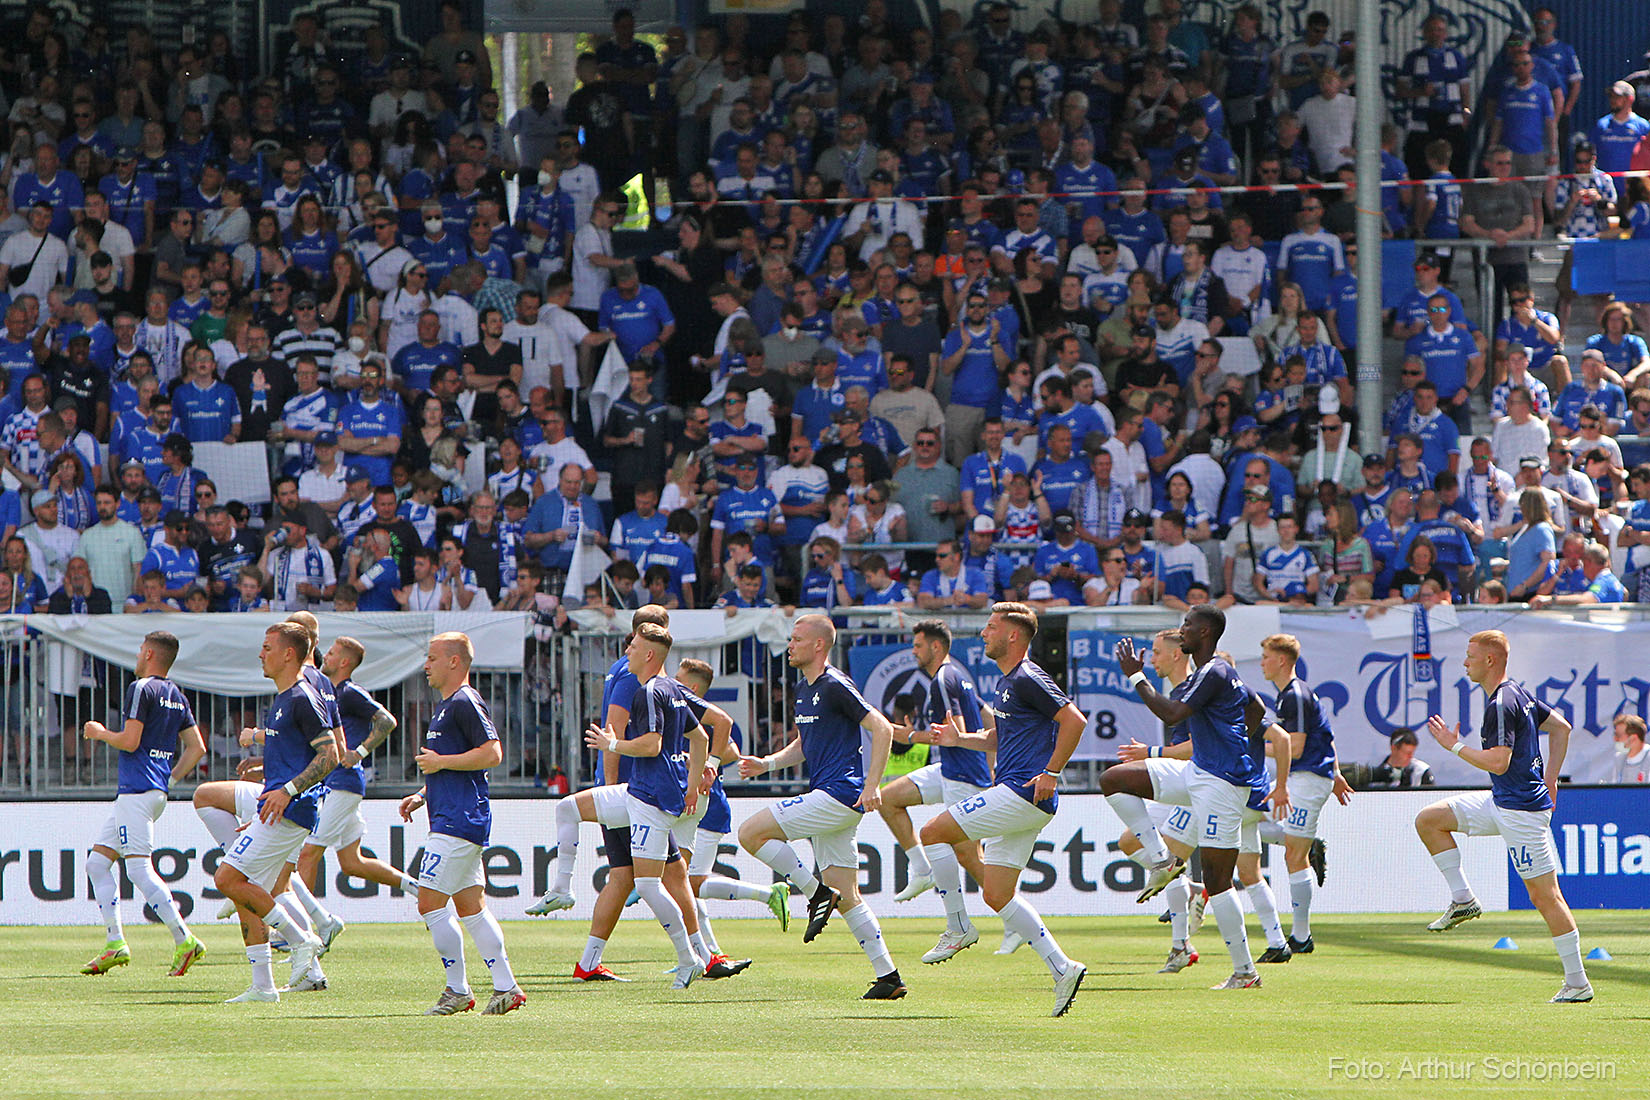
[[937, 317]]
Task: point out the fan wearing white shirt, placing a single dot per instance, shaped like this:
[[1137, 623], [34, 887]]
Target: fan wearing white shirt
[[1130, 467], [593, 259], [873, 222]]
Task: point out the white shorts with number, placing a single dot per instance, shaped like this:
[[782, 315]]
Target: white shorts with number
[[937, 790], [450, 865], [1308, 793], [1217, 809], [246, 800], [1006, 822], [612, 805], [827, 823], [339, 822], [130, 829], [650, 830], [1168, 778], [262, 849], [1528, 833], [706, 847]]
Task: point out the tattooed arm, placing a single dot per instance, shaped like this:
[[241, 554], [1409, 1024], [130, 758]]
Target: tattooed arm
[[272, 804], [383, 724]]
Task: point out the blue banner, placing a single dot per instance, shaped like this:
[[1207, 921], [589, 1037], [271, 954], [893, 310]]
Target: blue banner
[[892, 682], [1101, 691], [1603, 840]]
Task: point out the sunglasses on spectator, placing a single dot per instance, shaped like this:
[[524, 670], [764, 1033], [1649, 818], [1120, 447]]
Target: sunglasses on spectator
[[1413, 373], [1438, 309]]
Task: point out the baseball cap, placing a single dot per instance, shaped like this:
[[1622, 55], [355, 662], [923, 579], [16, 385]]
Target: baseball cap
[[177, 517], [1065, 521], [42, 497], [133, 462], [304, 299], [1039, 590], [1426, 259], [326, 439], [1621, 87], [880, 176], [1374, 460], [1524, 350], [1245, 424], [985, 525], [356, 473], [1593, 353], [1145, 331], [1134, 517], [464, 56], [745, 462], [66, 402], [1186, 158], [1531, 462], [824, 355], [125, 153]]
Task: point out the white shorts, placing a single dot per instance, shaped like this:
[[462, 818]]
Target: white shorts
[[450, 865], [650, 829], [936, 790], [1308, 793], [1217, 809], [1249, 830], [1006, 822], [262, 850], [130, 829], [612, 805], [246, 800], [1177, 825], [706, 847], [827, 823], [1174, 822], [1169, 780], [339, 822], [1528, 833], [686, 829]]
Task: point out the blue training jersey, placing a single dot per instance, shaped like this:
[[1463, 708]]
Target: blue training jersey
[[1300, 710], [1514, 718], [160, 706], [953, 693], [356, 710], [458, 801], [1220, 736], [660, 706], [297, 718], [1027, 701], [718, 816], [619, 687], [828, 713]]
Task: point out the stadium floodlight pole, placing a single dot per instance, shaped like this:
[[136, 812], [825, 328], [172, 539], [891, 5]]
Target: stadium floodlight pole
[[1369, 196]]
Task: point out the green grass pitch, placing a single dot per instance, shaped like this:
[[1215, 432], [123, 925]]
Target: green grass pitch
[[1378, 990]]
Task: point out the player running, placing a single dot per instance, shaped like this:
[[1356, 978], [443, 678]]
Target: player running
[[458, 749], [340, 824], [842, 784], [1215, 704], [715, 818], [299, 751], [1518, 807], [157, 724], [668, 748], [1314, 775], [1037, 729], [956, 775]]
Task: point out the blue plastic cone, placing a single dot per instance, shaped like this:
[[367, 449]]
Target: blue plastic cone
[[1505, 943], [1598, 954]]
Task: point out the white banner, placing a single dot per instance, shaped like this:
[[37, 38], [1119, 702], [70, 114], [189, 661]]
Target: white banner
[[1376, 864], [219, 653]]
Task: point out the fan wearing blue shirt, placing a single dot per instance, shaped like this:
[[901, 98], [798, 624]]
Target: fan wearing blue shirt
[[1518, 807], [1037, 730], [207, 409], [157, 726], [369, 427], [636, 314], [1453, 360], [462, 743], [50, 184], [1060, 474], [1618, 133], [1440, 438], [1601, 585], [1066, 563], [845, 768], [974, 357]]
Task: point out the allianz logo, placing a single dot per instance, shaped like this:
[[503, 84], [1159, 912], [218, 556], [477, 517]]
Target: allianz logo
[[1594, 849]]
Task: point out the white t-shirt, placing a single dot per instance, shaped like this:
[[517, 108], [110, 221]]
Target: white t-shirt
[[1128, 461], [50, 267], [543, 346], [589, 280], [401, 309]]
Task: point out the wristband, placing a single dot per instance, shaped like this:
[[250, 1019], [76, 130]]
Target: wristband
[[291, 791], [1457, 747], [1051, 775], [1137, 679], [1154, 751], [714, 763], [611, 745]]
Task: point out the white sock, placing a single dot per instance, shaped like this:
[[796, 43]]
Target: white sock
[[220, 823], [300, 890], [567, 844], [863, 924], [592, 957], [1568, 947], [705, 932], [489, 940], [288, 919], [100, 871], [1138, 820], [919, 860], [154, 891], [696, 940], [1300, 904], [1179, 895], [947, 872], [1266, 908], [1271, 832], [1229, 916], [263, 975], [717, 888], [449, 944], [1020, 917], [1449, 862], [1139, 856], [669, 917], [783, 859]]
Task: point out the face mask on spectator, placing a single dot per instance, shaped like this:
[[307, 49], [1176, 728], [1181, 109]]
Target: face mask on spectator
[[432, 225], [357, 345]]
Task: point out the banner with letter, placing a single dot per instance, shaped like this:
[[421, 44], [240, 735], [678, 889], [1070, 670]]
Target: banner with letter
[[1101, 691], [891, 681], [1603, 842], [1076, 869]]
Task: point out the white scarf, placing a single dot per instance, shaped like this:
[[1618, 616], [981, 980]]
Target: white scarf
[[1340, 456]]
